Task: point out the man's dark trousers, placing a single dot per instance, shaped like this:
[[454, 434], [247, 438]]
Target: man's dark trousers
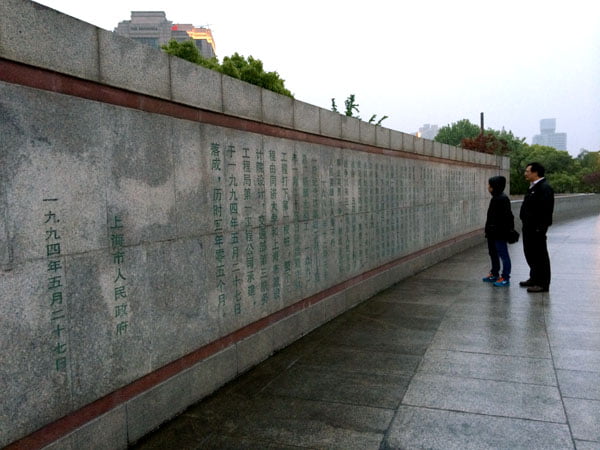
[[536, 253]]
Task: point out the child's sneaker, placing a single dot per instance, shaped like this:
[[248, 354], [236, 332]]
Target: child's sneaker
[[502, 282], [490, 278]]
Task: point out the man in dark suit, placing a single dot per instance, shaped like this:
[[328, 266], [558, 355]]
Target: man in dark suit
[[536, 215]]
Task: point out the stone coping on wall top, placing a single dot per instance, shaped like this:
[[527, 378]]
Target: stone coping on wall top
[[108, 59], [26, 75], [519, 197]]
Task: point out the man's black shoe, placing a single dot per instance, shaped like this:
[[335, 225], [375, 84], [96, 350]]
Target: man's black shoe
[[526, 283], [537, 289]]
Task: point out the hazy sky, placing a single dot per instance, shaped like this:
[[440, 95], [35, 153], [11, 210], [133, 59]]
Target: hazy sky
[[418, 62]]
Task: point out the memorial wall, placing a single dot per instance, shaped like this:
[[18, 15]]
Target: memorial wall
[[162, 232]]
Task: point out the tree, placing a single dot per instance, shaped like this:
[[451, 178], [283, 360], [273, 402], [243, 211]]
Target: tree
[[560, 168], [236, 66], [187, 50], [251, 70], [486, 143], [554, 161], [468, 135], [513, 143], [454, 134], [564, 173], [378, 123], [564, 182], [519, 158], [350, 104], [589, 160], [590, 170], [351, 107], [591, 181]]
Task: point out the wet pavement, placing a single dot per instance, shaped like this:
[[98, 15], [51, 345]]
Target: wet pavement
[[441, 360]]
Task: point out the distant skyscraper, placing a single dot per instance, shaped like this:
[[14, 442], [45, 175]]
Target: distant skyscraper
[[549, 137], [428, 131], [152, 28], [202, 36]]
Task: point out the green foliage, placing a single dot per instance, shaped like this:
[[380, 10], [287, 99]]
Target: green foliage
[[486, 143], [378, 123], [454, 134], [513, 143], [589, 160], [250, 70], [493, 142], [591, 182], [468, 135], [334, 106], [352, 106], [565, 173], [519, 158], [589, 163], [553, 160], [185, 50], [564, 182]]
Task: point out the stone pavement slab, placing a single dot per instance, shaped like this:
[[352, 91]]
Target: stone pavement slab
[[448, 430], [584, 418], [586, 445], [489, 367], [440, 360], [499, 343], [356, 388], [573, 359], [579, 384], [498, 398]]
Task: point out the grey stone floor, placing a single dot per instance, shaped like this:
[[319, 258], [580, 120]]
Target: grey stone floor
[[439, 361]]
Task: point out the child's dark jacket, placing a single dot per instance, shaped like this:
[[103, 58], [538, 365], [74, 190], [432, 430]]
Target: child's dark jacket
[[500, 218]]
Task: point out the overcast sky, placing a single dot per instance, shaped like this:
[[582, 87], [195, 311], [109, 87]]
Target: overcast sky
[[418, 62]]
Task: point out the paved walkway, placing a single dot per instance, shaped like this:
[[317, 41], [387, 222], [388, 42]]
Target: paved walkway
[[439, 361]]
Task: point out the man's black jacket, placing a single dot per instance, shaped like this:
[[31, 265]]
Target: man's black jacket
[[538, 206]]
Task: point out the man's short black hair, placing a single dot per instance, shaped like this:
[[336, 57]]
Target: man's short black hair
[[537, 168]]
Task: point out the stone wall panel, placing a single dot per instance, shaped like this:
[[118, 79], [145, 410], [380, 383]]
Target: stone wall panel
[[109, 327], [40, 36], [164, 227], [36, 380], [127, 64]]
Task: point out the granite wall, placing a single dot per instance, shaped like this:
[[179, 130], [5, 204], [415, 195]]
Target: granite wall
[[566, 207], [163, 228]]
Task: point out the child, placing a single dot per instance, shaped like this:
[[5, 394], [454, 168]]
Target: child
[[499, 222]]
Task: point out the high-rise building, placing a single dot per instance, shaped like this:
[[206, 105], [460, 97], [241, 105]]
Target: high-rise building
[[549, 137], [202, 36], [428, 131], [152, 28]]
